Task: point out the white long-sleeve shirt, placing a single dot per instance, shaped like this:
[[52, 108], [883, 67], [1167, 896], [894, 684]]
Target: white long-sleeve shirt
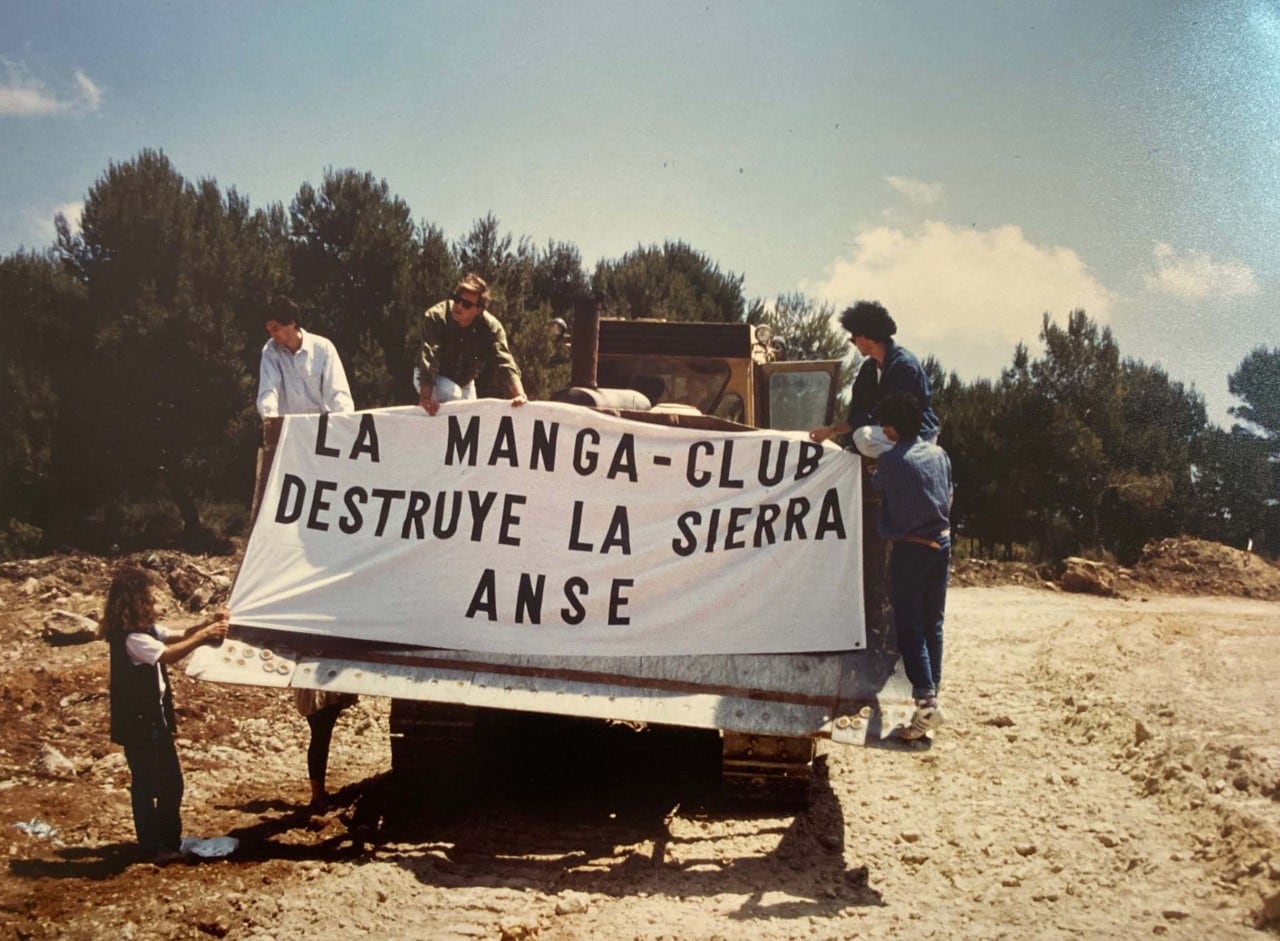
[[309, 381]]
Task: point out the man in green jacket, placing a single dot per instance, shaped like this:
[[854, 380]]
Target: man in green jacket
[[460, 340]]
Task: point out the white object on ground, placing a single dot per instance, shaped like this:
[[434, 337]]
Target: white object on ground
[[213, 848]]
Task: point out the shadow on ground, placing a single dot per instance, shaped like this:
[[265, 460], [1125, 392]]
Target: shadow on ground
[[608, 810], [605, 810]]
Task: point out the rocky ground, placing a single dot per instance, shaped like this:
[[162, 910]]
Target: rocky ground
[[1110, 769]]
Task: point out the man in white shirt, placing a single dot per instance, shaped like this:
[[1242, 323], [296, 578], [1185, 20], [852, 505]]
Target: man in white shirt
[[300, 373]]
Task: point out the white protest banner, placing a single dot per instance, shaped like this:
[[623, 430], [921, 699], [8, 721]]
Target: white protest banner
[[553, 529]]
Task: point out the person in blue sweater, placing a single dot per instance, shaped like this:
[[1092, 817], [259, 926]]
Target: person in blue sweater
[[913, 479], [886, 369], [142, 715]]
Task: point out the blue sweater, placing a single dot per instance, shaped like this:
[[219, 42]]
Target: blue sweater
[[901, 372]]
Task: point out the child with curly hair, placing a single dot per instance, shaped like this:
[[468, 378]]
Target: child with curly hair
[[142, 717]]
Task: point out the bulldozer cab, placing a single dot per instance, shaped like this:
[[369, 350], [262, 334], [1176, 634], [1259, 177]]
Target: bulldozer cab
[[730, 371]]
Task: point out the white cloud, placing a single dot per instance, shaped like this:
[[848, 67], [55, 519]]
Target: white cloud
[[926, 194], [1195, 275], [23, 95], [26, 100], [964, 295], [73, 212], [90, 95], [40, 222]]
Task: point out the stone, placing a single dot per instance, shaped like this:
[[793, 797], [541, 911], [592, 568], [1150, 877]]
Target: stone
[[831, 841], [571, 903], [1085, 577], [200, 598], [1269, 913], [518, 931], [65, 628], [52, 762]]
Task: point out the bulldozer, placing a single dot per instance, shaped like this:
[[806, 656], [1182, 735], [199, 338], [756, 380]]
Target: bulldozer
[[754, 718]]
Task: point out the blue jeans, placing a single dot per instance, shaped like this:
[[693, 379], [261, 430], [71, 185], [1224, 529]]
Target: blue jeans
[[155, 789], [918, 590]]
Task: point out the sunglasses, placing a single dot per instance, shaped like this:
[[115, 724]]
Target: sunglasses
[[466, 304]]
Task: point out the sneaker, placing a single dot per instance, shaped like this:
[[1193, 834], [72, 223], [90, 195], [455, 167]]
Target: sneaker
[[927, 717]]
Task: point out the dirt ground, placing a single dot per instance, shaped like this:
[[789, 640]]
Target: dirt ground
[[1110, 769]]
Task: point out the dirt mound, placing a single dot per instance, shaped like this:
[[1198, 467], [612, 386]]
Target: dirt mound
[[79, 581], [1177, 566], [986, 573], [1193, 566]]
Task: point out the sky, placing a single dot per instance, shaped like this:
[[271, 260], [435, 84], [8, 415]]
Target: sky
[[973, 166]]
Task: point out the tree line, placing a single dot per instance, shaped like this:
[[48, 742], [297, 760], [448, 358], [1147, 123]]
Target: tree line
[[129, 353]]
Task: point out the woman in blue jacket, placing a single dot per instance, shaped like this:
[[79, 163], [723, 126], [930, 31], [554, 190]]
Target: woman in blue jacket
[[887, 369]]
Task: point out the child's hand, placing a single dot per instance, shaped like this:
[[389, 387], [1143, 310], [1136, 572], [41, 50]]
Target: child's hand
[[217, 630]]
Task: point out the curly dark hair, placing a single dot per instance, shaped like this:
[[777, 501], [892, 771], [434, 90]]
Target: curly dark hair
[[902, 413], [869, 319], [129, 605]]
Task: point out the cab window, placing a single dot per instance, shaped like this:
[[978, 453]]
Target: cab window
[[798, 400]]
